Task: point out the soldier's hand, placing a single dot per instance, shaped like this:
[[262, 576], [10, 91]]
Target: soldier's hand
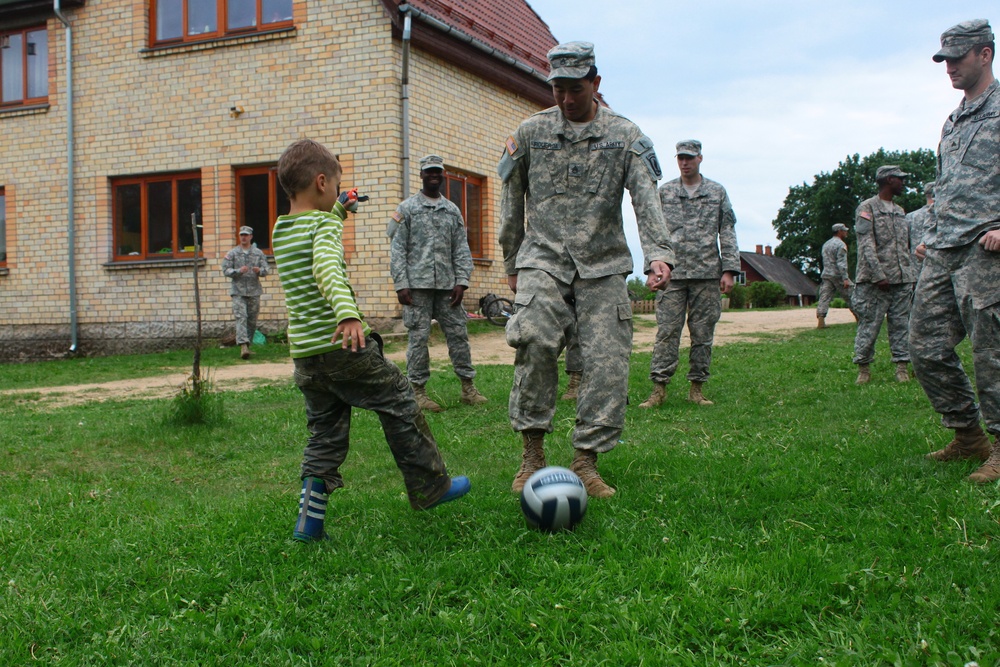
[[659, 275], [244, 269], [512, 283], [350, 332], [405, 297], [921, 251], [883, 285], [847, 284], [726, 283], [457, 292], [256, 270], [991, 241]]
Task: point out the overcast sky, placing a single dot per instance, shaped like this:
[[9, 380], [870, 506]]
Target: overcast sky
[[777, 91]]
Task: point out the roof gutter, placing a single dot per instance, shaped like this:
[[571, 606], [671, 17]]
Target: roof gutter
[[70, 192]]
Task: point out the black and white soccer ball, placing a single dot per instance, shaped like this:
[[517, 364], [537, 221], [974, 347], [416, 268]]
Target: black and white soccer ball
[[554, 499]]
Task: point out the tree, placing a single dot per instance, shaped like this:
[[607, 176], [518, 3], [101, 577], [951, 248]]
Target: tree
[[810, 210]]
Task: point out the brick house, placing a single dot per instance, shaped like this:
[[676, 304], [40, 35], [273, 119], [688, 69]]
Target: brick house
[[181, 108]]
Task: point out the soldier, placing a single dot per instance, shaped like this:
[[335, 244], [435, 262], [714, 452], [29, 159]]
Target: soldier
[[834, 279], [245, 265], [564, 172], [885, 275], [920, 222], [959, 290], [702, 229], [430, 264]]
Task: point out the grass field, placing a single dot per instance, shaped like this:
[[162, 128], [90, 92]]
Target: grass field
[[794, 522]]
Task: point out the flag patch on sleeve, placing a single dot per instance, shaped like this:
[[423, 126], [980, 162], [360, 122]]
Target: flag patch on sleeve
[[511, 145]]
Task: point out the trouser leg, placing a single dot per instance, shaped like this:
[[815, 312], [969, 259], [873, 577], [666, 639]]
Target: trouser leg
[[704, 311], [454, 325], [900, 300], [671, 311], [253, 310], [872, 305], [417, 320], [240, 317]]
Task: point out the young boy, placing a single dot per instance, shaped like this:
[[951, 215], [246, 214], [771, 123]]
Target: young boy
[[338, 359]]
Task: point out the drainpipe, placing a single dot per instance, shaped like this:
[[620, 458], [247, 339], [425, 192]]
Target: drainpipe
[[70, 192], [407, 27]]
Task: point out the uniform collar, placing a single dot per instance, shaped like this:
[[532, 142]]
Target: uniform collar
[[593, 129], [975, 105]]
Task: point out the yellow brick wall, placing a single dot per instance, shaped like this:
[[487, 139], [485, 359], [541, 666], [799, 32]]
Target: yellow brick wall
[[335, 78]]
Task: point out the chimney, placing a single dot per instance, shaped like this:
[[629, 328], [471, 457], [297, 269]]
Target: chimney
[[760, 249], [767, 250]]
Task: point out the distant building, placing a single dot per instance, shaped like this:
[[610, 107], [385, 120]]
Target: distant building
[[763, 266]]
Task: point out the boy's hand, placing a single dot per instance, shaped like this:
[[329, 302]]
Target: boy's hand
[[350, 199], [350, 331]]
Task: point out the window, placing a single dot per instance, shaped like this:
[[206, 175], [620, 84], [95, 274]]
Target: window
[[197, 20], [741, 278], [24, 66], [467, 193], [259, 201], [152, 215], [3, 228]]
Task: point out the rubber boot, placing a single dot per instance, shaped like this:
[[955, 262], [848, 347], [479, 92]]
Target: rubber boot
[[471, 395], [864, 374], [695, 395], [989, 471], [573, 388], [312, 511], [969, 443], [585, 466], [902, 372], [657, 397], [533, 458], [245, 351], [459, 487], [424, 401], [821, 321]]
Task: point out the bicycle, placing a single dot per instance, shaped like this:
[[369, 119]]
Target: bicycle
[[496, 309]]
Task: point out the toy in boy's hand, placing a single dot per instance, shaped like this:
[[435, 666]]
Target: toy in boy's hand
[[350, 199]]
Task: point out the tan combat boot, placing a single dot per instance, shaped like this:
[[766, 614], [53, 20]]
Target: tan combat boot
[[821, 321], [245, 351], [424, 401], [471, 395], [657, 397], [864, 374], [533, 458], [573, 388], [969, 443], [989, 471], [695, 395], [902, 372], [585, 466]]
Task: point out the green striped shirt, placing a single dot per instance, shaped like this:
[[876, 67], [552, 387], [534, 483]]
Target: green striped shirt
[[309, 253]]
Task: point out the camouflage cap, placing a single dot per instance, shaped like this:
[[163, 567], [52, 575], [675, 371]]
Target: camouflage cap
[[840, 227], [432, 162], [929, 188], [690, 147], [571, 60], [957, 40], [887, 170], [246, 230]]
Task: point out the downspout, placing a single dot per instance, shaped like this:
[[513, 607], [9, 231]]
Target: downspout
[[407, 27], [70, 192]]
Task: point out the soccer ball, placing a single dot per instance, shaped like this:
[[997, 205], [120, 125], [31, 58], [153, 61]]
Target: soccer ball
[[553, 499]]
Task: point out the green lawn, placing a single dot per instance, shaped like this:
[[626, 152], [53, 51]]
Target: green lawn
[[794, 522]]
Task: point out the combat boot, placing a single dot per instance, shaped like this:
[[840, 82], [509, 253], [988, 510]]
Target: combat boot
[[585, 466], [695, 395], [821, 321], [312, 511], [902, 372], [657, 397], [245, 351], [969, 443], [864, 374], [533, 458], [989, 471], [470, 395], [573, 388], [424, 401]]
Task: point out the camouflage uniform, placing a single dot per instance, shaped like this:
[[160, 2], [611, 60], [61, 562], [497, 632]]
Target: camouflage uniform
[[833, 276], [430, 256], [245, 289], [920, 223], [571, 259], [883, 254], [959, 290], [702, 229]]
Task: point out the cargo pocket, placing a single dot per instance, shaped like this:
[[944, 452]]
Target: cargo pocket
[[513, 329]]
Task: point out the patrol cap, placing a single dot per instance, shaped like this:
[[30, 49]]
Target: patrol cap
[[957, 40], [690, 147], [887, 170], [246, 230], [840, 227], [432, 162], [929, 188], [571, 60]]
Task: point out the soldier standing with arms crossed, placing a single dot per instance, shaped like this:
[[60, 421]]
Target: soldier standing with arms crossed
[[702, 229], [565, 171], [959, 290], [834, 278]]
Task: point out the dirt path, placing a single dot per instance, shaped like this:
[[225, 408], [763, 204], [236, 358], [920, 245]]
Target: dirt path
[[491, 348]]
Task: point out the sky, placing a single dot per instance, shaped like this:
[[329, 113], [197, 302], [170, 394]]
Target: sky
[[776, 91]]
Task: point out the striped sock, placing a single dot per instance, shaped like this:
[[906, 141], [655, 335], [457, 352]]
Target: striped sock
[[312, 510]]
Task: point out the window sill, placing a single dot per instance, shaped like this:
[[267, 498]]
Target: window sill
[[4, 271], [217, 42], [29, 110], [153, 264], [482, 261]]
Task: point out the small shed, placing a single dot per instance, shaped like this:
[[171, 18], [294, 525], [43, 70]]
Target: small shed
[[764, 266]]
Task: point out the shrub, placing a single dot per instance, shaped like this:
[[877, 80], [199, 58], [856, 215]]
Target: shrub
[[637, 288], [738, 297], [838, 303], [766, 294]]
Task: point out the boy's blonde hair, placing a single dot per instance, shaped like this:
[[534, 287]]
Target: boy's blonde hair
[[302, 162]]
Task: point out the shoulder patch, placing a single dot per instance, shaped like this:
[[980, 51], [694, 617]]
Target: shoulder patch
[[866, 214], [511, 145], [643, 147], [397, 216]]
